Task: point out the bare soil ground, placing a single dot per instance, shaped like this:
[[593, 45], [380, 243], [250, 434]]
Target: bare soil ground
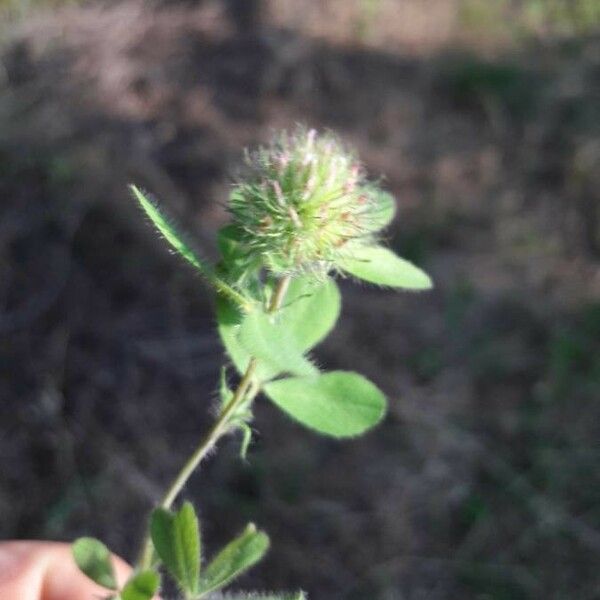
[[484, 481]]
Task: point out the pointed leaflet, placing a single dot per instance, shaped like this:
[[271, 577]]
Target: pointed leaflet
[[376, 264], [177, 241], [168, 230], [339, 404], [93, 558], [141, 586], [176, 538], [238, 556]]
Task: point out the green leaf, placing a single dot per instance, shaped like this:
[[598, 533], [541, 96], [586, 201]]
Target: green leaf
[[385, 212], [141, 586], [246, 439], [225, 393], [376, 264], [176, 538], [228, 239], [309, 313], [168, 230], [263, 336], [267, 337], [236, 263], [339, 404], [310, 310], [178, 243], [237, 557], [228, 322], [94, 560]]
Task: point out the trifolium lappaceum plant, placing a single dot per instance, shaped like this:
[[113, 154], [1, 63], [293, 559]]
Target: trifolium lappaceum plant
[[302, 212]]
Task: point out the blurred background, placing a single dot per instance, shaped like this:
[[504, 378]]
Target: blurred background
[[483, 117]]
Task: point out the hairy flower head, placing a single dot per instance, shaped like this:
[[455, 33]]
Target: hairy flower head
[[303, 203]]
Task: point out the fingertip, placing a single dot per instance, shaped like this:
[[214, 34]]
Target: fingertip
[[64, 581], [47, 571]]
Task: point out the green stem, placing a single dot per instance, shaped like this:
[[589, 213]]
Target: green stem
[[279, 294], [215, 433], [220, 427]]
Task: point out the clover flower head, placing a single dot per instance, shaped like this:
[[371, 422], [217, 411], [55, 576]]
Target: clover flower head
[[303, 202]]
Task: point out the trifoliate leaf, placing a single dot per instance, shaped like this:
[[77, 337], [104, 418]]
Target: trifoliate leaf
[[94, 559], [237, 557], [176, 538], [379, 265], [141, 586], [339, 404]]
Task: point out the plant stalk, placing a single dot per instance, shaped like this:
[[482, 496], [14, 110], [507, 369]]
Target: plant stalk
[[220, 427]]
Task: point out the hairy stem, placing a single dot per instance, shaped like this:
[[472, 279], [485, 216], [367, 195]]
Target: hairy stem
[[220, 427], [279, 294]]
